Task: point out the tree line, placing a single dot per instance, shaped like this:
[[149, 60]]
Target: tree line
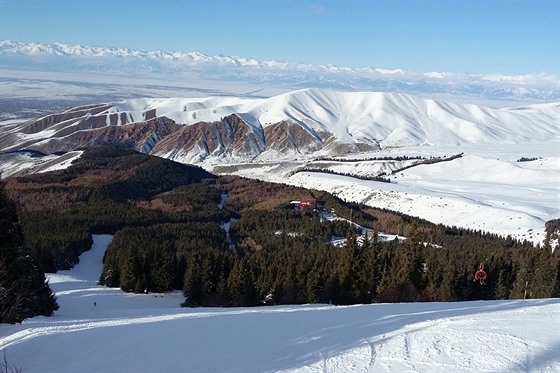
[[170, 235], [24, 291], [274, 265]]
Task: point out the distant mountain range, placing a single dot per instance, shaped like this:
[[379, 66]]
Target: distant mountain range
[[187, 66], [304, 123]]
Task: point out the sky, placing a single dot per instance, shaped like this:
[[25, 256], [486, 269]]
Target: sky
[[462, 36]]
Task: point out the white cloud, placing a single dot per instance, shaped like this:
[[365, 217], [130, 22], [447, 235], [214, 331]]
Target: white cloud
[[317, 8]]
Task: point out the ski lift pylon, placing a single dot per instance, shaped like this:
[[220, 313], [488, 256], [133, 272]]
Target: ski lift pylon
[[480, 275]]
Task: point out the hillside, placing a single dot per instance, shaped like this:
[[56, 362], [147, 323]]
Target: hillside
[[301, 123], [149, 332], [101, 191], [276, 138], [231, 241]]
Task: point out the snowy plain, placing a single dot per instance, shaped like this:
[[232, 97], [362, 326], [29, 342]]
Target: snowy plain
[[152, 333], [180, 69]]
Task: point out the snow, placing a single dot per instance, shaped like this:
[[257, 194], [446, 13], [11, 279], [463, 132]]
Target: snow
[[185, 67], [19, 163], [374, 118], [226, 225], [151, 333], [393, 119], [486, 189]]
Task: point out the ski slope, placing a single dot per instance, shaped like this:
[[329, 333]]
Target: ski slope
[[151, 333]]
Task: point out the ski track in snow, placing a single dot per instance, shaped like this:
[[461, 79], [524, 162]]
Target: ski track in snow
[[151, 333]]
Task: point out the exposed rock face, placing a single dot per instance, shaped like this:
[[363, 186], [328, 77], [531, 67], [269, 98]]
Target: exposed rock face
[[77, 133], [231, 137], [287, 136]]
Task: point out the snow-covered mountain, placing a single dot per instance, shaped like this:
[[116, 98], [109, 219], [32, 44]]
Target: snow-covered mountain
[[280, 138], [8, 47], [189, 66], [308, 122]]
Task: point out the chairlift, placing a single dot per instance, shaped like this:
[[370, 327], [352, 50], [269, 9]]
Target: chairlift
[[480, 275]]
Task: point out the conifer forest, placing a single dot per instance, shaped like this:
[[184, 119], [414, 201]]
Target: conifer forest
[[229, 241]]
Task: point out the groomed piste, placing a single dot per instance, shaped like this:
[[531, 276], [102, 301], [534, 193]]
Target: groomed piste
[[101, 329]]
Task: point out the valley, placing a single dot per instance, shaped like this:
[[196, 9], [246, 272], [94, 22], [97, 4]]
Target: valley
[[486, 189], [282, 138], [237, 241], [279, 186]]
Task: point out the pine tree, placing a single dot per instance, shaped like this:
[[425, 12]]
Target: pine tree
[[347, 266], [130, 271], [500, 290], [162, 272], [24, 292], [311, 288], [236, 282], [369, 275], [406, 270], [192, 288], [386, 277], [544, 284], [413, 257]]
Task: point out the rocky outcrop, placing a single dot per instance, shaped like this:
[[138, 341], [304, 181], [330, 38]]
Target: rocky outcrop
[[231, 137]]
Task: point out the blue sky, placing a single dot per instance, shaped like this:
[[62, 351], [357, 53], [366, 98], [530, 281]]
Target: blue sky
[[476, 36]]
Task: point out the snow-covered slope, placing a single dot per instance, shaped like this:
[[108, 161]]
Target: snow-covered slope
[[151, 333], [270, 138], [301, 122], [485, 189], [390, 118]]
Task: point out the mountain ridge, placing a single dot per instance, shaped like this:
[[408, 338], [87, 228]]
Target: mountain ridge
[[59, 57], [304, 122]]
